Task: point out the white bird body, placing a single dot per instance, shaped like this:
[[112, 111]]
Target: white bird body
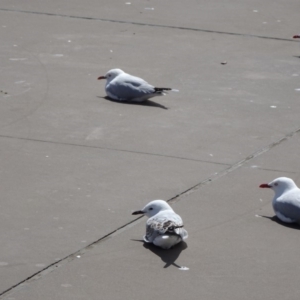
[[286, 201], [164, 228], [121, 86]]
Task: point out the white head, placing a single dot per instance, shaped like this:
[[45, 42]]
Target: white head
[[153, 207], [280, 185], [111, 74]]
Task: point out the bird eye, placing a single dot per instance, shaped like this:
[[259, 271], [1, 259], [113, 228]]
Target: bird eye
[[276, 184], [151, 208]]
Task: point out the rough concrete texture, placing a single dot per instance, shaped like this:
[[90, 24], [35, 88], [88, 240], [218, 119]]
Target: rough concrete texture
[[74, 164]]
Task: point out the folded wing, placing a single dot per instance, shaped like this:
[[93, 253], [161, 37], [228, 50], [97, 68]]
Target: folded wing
[[163, 223], [130, 87]]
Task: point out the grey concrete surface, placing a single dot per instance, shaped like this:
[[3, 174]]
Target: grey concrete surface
[[270, 19], [74, 165]]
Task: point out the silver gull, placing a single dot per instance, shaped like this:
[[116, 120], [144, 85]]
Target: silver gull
[[164, 228], [121, 86], [286, 202]]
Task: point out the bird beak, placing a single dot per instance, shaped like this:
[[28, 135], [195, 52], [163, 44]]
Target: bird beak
[[138, 212], [296, 36], [101, 77], [265, 185]]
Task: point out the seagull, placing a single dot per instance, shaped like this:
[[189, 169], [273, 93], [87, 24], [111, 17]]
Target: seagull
[[121, 86], [286, 202], [164, 228]]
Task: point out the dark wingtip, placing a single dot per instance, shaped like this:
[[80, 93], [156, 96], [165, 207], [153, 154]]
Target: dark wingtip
[[157, 89], [138, 212]]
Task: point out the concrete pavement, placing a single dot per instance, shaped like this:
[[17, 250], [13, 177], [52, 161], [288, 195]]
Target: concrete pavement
[[74, 165]]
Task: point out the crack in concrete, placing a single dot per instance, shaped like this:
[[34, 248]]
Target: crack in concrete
[[50, 268], [147, 24], [111, 149], [276, 170], [235, 166]]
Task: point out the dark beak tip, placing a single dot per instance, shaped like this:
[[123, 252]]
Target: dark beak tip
[[138, 212]]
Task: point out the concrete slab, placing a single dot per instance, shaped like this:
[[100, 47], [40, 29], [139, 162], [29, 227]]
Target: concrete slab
[[283, 159], [74, 164], [57, 199], [231, 252], [247, 17], [57, 98]]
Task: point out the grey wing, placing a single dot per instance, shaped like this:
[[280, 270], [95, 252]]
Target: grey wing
[[288, 209], [289, 205], [130, 88], [151, 233], [182, 232], [177, 224], [161, 224]]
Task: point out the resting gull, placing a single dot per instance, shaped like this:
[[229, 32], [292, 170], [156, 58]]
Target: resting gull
[[121, 86], [164, 228], [286, 202]]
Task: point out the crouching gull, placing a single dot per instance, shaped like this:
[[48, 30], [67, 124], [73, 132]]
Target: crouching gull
[[121, 86], [164, 228], [286, 202]]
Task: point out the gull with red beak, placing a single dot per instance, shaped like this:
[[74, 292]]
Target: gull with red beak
[[121, 86], [164, 228], [286, 202]]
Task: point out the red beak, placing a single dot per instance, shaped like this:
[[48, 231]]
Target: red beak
[[297, 36], [101, 77], [264, 185]]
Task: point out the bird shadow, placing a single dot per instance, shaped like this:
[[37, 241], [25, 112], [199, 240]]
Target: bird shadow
[[168, 256], [278, 221], [144, 103]]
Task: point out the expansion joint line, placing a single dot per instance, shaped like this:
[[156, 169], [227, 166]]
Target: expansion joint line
[[234, 166], [146, 24]]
